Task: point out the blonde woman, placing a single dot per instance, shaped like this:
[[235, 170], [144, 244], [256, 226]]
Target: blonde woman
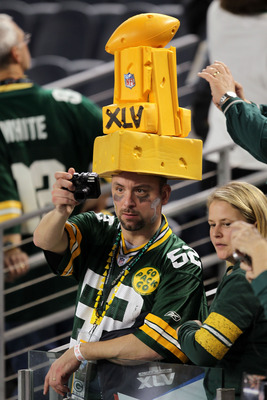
[[234, 336]]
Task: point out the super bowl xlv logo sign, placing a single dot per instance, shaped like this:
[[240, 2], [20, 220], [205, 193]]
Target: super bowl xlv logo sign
[[125, 117], [154, 378]]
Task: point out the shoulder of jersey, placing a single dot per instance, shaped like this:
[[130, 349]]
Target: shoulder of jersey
[[150, 29]]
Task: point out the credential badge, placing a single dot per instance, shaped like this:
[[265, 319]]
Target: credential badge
[[129, 80]]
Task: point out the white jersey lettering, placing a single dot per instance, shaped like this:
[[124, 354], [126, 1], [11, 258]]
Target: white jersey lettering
[[24, 129]]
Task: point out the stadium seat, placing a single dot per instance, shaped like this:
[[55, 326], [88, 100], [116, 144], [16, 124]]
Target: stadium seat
[[140, 7], [19, 11], [68, 32], [176, 11], [109, 17], [46, 69], [101, 87], [186, 47], [50, 68], [186, 50], [75, 66]]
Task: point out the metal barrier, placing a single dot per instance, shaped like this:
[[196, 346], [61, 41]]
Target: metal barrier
[[146, 380], [125, 379]]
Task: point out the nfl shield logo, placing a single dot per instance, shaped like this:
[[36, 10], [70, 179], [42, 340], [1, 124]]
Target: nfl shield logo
[[129, 80], [121, 261]]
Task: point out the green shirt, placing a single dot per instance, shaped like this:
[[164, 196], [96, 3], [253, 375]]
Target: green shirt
[[259, 286], [233, 337], [247, 126], [162, 289]]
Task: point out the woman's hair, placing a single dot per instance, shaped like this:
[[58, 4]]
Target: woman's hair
[[244, 7], [8, 38], [247, 199]]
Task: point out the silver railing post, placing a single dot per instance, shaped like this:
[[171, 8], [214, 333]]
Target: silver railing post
[[2, 320], [224, 171], [224, 168], [25, 384], [225, 394]]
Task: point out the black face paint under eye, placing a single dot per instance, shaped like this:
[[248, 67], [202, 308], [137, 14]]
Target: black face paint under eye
[[117, 197], [144, 199]]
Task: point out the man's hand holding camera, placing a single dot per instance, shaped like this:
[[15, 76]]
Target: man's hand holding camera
[[55, 238], [64, 199], [82, 186]]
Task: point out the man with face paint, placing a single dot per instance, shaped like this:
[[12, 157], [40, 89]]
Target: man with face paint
[[137, 280]]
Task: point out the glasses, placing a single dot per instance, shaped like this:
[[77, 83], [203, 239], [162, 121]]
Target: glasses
[[26, 39]]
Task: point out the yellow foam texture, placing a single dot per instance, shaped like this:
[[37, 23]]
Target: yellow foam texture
[[150, 29], [151, 104], [144, 153]]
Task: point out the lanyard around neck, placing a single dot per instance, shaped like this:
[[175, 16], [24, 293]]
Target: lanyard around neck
[[110, 282]]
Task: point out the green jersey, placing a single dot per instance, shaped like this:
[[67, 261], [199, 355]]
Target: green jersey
[[233, 337], [259, 286], [41, 131], [162, 288]]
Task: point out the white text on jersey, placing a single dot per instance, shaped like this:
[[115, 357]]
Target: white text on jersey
[[24, 129]]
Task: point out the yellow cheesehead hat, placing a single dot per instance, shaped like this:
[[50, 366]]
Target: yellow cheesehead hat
[[145, 129]]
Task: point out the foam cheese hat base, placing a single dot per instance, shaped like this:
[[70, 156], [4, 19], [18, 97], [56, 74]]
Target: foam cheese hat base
[[168, 156]]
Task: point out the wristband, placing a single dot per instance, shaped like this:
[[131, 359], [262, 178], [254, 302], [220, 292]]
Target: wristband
[[77, 353]]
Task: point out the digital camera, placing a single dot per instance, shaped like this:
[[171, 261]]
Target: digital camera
[[242, 258], [87, 186]]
